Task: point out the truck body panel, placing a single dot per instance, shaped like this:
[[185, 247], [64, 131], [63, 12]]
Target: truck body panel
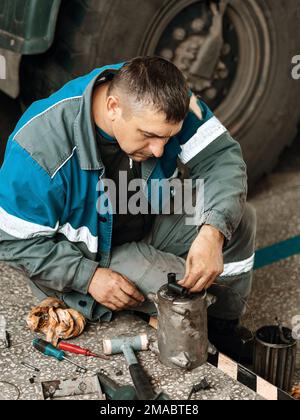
[[28, 26]]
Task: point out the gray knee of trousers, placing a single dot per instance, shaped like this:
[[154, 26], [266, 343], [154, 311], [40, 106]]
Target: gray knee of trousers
[[146, 266]]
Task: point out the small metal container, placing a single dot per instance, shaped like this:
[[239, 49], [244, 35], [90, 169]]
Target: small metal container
[[182, 328], [275, 356]]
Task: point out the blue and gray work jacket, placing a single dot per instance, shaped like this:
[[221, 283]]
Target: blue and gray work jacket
[[50, 228]]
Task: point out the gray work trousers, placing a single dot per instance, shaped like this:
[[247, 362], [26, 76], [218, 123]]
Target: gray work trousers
[[148, 262]]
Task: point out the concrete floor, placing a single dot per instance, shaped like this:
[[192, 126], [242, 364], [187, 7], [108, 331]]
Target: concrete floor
[[15, 303], [276, 293]]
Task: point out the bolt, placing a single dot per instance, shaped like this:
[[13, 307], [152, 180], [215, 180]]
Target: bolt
[[223, 74], [82, 387], [179, 34], [119, 373], [226, 49], [202, 85], [221, 65], [198, 25], [167, 54], [183, 67], [211, 93]]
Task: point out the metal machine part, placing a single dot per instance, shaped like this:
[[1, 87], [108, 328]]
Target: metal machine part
[[201, 386], [202, 40], [275, 355], [182, 328], [174, 288], [61, 389]]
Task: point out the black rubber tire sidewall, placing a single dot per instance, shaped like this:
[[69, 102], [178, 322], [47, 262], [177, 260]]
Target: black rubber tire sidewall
[[113, 31]]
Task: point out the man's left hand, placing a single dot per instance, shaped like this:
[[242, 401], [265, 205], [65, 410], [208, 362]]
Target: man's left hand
[[205, 260]]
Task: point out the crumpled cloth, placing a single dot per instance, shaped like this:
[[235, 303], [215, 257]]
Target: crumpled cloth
[[52, 318]]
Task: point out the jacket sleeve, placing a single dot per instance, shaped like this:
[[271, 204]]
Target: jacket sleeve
[[212, 155], [30, 207]]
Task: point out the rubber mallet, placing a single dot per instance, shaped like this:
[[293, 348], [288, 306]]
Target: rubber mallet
[[127, 346]]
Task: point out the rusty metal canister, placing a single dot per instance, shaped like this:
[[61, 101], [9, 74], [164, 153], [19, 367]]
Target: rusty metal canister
[[182, 328], [275, 356]]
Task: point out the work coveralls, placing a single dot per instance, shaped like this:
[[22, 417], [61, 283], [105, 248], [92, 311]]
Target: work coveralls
[[50, 226]]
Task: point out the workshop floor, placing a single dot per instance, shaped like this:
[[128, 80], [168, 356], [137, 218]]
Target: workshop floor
[[276, 293]]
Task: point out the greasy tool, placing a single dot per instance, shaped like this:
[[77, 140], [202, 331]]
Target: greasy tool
[[72, 348], [115, 392], [48, 350], [127, 346]]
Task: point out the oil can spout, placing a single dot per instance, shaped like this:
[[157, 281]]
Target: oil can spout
[[174, 288]]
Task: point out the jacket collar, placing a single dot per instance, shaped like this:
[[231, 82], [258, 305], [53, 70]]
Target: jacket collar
[[84, 128]]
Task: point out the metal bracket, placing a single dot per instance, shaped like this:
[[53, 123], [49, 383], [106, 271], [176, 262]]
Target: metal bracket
[[210, 51], [60, 389]]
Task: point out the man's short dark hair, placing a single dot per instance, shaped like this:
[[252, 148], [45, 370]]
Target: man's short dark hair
[[156, 82]]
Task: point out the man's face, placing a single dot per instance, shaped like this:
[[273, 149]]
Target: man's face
[[144, 134]]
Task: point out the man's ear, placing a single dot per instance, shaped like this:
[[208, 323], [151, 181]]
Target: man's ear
[[195, 107], [113, 107]]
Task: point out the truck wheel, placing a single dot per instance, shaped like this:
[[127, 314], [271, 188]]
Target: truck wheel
[[10, 112], [251, 88]]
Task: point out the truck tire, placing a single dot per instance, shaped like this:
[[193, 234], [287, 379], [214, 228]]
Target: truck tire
[[10, 112], [252, 92]]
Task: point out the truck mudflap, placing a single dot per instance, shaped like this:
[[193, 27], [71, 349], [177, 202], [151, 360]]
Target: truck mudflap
[[28, 26]]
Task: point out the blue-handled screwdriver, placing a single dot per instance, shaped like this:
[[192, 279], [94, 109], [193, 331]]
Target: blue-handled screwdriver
[[48, 350]]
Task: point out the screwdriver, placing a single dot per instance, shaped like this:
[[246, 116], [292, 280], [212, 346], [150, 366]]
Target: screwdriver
[[48, 350], [72, 348]]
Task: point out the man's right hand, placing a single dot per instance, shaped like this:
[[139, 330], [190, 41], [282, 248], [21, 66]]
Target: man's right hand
[[114, 290]]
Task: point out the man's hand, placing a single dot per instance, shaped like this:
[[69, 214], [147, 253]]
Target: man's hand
[[114, 290], [205, 260]]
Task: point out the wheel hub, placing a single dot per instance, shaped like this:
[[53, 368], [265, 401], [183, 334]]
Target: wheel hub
[[225, 54]]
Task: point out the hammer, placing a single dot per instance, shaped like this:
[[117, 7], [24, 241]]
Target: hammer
[[127, 346]]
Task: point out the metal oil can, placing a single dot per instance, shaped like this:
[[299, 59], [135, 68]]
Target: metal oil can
[[182, 325]]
